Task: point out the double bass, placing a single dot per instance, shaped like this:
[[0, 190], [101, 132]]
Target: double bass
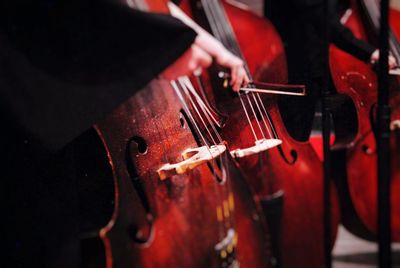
[[394, 20], [177, 201], [358, 184], [285, 175]]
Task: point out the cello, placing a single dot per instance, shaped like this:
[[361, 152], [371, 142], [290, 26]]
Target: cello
[[168, 185], [358, 184], [395, 21], [286, 176]]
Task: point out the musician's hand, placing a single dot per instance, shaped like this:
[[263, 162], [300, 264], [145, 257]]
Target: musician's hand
[[238, 73], [225, 58], [213, 47], [391, 60], [195, 58]]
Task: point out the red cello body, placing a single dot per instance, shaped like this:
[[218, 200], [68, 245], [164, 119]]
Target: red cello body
[[394, 20], [359, 183], [291, 174], [202, 217]]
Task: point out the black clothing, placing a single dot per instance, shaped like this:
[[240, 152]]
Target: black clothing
[[301, 25], [66, 64], [63, 66]]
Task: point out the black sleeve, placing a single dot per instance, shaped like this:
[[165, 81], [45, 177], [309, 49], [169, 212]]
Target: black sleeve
[[344, 39], [66, 64]]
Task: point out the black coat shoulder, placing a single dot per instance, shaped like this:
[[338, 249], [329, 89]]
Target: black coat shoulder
[[66, 64]]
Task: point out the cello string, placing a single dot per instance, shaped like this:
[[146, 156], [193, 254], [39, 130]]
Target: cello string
[[248, 117], [252, 108], [275, 134], [189, 113], [228, 204], [260, 104], [229, 195], [217, 32], [233, 44], [184, 88], [231, 40], [221, 228], [224, 206], [226, 36], [185, 106], [228, 186], [203, 108], [185, 84], [186, 91], [263, 119]]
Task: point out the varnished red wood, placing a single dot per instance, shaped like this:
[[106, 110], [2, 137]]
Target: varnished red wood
[[394, 20], [359, 81], [173, 222], [185, 228], [300, 176]]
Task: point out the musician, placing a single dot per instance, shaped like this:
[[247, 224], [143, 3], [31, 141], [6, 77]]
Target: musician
[[301, 25], [64, 65]]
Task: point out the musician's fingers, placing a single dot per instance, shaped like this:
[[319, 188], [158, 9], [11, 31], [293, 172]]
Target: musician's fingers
[[234, 75], [246, 80], [200, 59], [240, 79]]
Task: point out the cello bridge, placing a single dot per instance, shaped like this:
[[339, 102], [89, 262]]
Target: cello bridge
[[193, 158], [260, 146]]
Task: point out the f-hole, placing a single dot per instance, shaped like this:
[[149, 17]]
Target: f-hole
[[293, 156], [182, 120], [139, 143], [134, 146], [293, 153]]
